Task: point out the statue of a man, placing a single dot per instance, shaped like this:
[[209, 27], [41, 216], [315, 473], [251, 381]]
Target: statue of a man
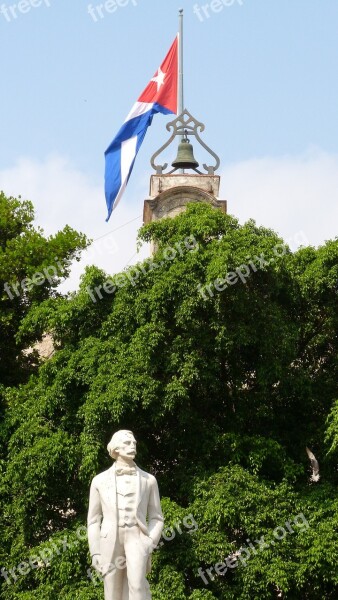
[[125, 522]]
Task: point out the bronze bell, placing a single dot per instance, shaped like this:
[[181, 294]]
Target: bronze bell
[[185, 156]]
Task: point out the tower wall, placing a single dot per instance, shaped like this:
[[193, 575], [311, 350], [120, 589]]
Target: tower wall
[[170, 194]]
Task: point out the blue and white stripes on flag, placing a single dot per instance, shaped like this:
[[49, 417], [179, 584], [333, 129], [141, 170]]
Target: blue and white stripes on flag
[[160, 96]]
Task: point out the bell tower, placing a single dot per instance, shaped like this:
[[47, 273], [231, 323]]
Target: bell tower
[[171, 191]]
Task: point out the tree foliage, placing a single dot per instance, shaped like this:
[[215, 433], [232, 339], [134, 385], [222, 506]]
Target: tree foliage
[[26, 253], [223, 389]]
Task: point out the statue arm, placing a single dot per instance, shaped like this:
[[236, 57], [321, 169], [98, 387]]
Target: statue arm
[[155, 515], [94, 520]]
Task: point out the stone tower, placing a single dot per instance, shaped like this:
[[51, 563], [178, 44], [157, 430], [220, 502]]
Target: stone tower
[[170, 192]]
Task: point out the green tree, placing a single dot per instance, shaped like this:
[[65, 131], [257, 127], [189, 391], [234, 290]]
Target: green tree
[[224, 390], [31, 268]]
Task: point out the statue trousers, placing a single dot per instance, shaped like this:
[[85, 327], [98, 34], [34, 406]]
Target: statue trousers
[[125, 577]]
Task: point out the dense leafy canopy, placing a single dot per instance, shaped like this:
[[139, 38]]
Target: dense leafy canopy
[[25, 254], [223, 389]]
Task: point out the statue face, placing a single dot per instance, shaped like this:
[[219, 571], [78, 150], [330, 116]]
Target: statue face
[[127, 447]]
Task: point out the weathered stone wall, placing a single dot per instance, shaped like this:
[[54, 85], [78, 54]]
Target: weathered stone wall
[[170, 194]]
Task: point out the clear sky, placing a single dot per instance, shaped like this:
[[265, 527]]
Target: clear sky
[[261, 74]]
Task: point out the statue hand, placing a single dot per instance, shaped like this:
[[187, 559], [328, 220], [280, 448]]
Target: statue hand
[[148, 543], [96, 563]]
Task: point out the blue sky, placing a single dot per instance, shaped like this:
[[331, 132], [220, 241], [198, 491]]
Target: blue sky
[[261, 75]]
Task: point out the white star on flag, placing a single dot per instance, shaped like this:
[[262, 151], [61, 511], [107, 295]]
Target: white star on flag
[[159, 79]]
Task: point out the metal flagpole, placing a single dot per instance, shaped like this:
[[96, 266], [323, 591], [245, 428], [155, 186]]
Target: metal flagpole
[[180, 66]]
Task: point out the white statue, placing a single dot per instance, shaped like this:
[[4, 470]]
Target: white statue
[[125, 522]]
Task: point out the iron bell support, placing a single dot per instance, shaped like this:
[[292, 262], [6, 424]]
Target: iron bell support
[[183, 126]]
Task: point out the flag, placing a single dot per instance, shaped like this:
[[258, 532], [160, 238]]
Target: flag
[[160, 96]]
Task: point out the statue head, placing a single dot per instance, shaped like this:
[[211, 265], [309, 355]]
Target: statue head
[[122, 444]]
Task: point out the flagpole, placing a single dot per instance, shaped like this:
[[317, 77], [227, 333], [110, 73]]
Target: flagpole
[[180, 66]]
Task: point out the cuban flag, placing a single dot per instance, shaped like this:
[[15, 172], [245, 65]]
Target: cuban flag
[[160, 96]]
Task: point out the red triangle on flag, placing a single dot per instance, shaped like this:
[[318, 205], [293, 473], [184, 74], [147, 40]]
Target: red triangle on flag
[[162, 88]]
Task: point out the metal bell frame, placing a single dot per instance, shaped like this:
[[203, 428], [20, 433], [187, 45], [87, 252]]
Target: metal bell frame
[[185, 125]]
